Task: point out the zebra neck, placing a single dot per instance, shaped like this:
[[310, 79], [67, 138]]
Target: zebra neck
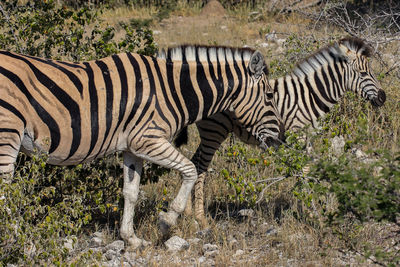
[[303, 99]]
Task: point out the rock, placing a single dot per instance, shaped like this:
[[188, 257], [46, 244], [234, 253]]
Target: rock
[[271, 231], [202, 259], [211, 254], [238, 252], [271, 37], [98, 234], [194, 241], [112, 263], [204, 233], [116, 246], [209, 262], [176, 243], [96, 242], [69, 243], [110, 254], [246, 212], [233, 243], [359, 154], [210, 250], [337, 146]]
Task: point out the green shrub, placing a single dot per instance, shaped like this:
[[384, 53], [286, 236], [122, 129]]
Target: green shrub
[[42, 28], [43, 205]]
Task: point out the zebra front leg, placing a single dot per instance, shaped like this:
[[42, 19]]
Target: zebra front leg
[[189, 175], [132, 171], [161, 152]]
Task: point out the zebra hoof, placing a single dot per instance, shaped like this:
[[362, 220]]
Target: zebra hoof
[[166, 221]]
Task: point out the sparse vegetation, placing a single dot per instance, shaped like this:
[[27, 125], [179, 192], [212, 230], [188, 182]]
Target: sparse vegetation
[[311, 206]]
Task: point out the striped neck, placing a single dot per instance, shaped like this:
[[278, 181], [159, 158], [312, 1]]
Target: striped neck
[[312, 88]]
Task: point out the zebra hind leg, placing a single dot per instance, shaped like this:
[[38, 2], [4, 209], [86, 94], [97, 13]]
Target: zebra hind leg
[[199, 201], [132, 171]]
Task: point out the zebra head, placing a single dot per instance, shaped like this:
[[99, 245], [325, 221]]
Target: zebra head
[[263, 120], [360, 77]]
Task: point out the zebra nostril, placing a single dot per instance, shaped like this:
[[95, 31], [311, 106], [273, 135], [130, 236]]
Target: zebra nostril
[[380, 99]]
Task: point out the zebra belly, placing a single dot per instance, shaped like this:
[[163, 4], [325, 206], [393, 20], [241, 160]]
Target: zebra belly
[[31, 145]]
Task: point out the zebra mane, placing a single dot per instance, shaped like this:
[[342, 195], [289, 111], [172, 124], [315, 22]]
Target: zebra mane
[[331, 52], [204, 53], [358, 45]]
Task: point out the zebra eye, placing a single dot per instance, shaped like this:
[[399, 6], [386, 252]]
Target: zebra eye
[[270, 95], [363, 74]]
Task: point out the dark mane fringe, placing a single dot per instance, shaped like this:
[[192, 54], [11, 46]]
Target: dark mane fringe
[[358, 44]]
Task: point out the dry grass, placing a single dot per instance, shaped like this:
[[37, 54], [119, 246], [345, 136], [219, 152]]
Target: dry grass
[[274, 236]]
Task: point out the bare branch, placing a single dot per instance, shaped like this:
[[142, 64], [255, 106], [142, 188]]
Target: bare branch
[[275, 180]]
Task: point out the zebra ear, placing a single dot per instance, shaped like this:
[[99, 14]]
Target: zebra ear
[[257, 64]]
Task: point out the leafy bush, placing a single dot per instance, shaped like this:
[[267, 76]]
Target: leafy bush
[[41, 28], [38, 211]]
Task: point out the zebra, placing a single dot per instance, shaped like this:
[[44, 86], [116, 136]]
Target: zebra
[[129, 103], [302, 97]]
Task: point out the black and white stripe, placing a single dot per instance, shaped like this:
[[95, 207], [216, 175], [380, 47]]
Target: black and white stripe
[[303, 96], [77, 112]]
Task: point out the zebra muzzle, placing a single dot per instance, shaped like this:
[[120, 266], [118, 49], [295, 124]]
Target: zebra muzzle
[[380, 99]]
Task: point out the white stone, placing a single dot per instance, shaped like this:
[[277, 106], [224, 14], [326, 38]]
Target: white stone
[[193, 241], [204, 233], [209, 247], [98, 234], [69, 244], [337, 146], [280, 42], [360, 154], [238, 252], [96, 242], [176, 243], [211, 254], [271, 231], [110, 254], [271, 37], [233, 242], [112, 263]]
